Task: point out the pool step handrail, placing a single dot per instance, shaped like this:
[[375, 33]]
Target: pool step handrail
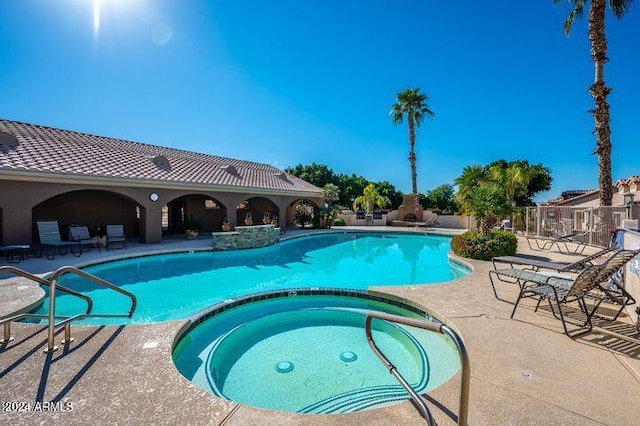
[[53, 285], [67, 322], [430, 326], [40, 280], [6, 322]]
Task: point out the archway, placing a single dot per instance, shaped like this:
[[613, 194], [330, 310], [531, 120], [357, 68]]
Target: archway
[[206, 210], [258, 208], [93, 208], [304, 204]]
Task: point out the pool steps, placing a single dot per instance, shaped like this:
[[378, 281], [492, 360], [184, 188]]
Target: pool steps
[[52, 283]]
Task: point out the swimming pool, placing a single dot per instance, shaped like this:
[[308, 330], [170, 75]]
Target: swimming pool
[[306, 351], [175, 286]]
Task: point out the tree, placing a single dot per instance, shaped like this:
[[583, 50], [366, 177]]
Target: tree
[[493, 191], [540, 180], [316, 174], [412, 104], [370, 198], [327, 213], [599, 90], [471, 177], [486, 203], [441, 198], [388, 190], [330, 193], [348, 186], [513, 178]]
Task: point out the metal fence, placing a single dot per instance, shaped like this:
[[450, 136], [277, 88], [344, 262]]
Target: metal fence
[[592, 225]]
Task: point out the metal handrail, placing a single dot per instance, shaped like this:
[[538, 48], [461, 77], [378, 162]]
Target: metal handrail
[[52, 301], [431, 326], [43, 281]]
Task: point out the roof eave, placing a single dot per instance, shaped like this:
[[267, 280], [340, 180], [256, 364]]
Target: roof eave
[[66, 178]]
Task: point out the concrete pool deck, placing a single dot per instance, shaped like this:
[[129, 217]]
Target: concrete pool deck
[[525, 371]]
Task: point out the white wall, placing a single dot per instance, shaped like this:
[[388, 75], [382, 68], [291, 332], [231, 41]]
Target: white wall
[[632, 274]]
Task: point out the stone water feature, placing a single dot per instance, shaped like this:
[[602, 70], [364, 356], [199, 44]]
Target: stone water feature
[[245, 237]]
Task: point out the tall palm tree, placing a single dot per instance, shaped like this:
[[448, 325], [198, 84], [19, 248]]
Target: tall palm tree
[[412, 104], [599, 90]]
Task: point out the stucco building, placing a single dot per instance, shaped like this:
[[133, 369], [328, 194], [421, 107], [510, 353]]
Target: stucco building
[[78, 178]]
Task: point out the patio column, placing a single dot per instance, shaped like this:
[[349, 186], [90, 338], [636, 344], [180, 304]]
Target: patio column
[[16, 222], [151, 223]]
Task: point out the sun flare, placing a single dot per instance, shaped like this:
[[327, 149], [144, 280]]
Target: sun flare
[[96, 17]]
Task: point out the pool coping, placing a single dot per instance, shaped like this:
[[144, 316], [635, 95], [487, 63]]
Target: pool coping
[[572, 381]]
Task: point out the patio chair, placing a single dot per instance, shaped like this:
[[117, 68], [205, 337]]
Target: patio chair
[[80, 234], [116, 235], [593, 284], [49, 235], [360, 214]]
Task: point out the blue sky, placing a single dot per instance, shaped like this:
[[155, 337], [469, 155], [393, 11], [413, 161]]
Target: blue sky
[[288, 82]]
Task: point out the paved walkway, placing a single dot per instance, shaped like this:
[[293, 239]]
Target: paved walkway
[[525, 371]]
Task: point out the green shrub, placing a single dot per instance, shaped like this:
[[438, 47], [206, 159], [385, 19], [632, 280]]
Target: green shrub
[[339, 222], [475, 245]]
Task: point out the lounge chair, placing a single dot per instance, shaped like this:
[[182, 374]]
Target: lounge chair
[[16, 252], [546, 243], [593, 284], [116, 235], [50, 240], [360, 215], [429, 219], [80, 234], [537, 264]]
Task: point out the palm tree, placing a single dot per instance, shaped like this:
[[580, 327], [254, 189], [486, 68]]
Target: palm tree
[[471, 177], [514, 179], [328, 211], [486, 202], [330, 193], [412, 104], [599, 90], [370, 198]]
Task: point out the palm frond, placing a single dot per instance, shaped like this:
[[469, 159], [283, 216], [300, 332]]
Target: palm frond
[[576, 13], [620, 7]]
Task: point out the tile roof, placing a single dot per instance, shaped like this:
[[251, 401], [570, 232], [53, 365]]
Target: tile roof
[[39, 149], [627, 181]]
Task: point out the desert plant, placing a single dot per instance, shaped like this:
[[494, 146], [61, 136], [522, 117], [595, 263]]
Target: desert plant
[[192, 223], [302, 217], [476, 245]]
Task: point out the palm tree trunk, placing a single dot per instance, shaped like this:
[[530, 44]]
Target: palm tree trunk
[[412, 154], [600, 91]]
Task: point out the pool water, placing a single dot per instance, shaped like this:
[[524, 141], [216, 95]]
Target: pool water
[[175, 286], [309, 354]]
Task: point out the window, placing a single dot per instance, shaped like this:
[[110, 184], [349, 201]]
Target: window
[[165, 217]]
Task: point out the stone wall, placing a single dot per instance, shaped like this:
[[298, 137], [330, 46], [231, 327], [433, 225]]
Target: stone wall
[[245, 237]]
